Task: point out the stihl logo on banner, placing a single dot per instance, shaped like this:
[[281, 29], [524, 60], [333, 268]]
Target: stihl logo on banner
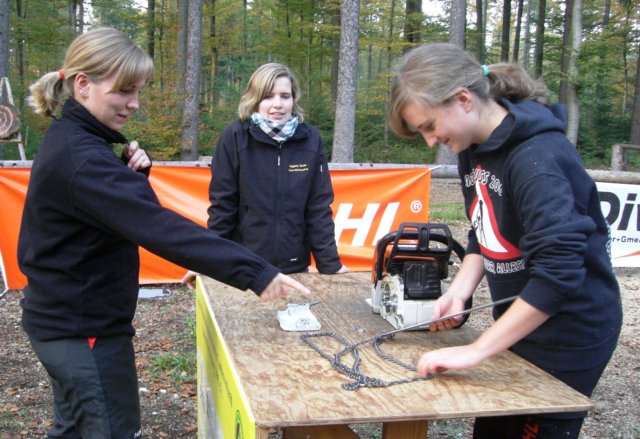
[[362, 225], [368, 204]]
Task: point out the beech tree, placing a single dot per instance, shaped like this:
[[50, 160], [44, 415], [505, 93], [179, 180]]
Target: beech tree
[[569, 67], [345, 120], [238, 36], [456, 36], [506, 31], [190, 113], [539, 44], [413, 21], [634, 136]]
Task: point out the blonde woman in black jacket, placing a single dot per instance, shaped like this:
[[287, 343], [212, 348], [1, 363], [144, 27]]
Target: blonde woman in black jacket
[[270, 186], [86, 213]]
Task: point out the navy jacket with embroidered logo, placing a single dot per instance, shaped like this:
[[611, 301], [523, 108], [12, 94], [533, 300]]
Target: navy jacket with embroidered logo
[[540, 230], [274, 198]]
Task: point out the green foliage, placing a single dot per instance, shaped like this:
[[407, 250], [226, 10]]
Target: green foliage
[[178, 367], [156, 126], [8, 422], [191, 328], [304, 34], [447, 212], [121, 14], [604, 120]]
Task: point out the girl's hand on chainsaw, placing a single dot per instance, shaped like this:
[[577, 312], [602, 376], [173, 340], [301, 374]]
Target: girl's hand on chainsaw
[[458, 357], [445, 305]]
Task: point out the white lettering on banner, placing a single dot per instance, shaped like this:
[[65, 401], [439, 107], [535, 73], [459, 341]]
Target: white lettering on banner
[[362, 226], [620, 204], [386, 222]]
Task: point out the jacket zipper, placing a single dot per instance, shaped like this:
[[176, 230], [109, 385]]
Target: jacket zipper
[[278, 208]]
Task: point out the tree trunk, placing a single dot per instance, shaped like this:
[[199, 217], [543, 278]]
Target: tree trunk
[[625, 51], [456, 36], [72, 17], [245, 27], [76, 16], [392, 13], [607, 13], [480, 34], [4, 38], [634, 136], [213, 63], [457, 22], [566, 52], [516, 39], [335, 59], [506, 31], [181, 46], [538, 53], [345, 118], [80, 16], [569, 67], [526, 37], [413, 22], [19, 36], [190, 114], [151, 27], [161, 44]]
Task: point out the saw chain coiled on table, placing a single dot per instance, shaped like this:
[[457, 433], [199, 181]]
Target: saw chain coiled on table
[[353, 371]]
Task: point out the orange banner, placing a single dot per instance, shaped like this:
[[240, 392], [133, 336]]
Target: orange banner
[[368, 204]]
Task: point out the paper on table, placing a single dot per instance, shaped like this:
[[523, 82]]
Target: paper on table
[[298, 317]]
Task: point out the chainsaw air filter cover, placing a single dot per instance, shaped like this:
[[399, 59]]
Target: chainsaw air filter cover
[[422, 280]]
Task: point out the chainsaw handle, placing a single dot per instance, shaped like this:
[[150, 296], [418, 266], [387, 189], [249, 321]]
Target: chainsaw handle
[[422, 232]]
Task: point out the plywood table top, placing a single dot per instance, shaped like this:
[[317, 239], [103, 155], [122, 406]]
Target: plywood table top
[[288, 384]]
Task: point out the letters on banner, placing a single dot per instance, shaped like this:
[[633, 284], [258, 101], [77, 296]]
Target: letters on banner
[[620, 204], [367, 205]]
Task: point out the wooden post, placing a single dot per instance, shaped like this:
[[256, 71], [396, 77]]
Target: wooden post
[[619, 156]]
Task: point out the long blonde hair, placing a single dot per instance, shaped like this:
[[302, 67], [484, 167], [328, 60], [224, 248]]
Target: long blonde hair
[[432, 74], [260, 85], [98, 53]]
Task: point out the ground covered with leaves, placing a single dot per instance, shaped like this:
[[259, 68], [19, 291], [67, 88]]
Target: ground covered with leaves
[[165, 351], [165, 358]]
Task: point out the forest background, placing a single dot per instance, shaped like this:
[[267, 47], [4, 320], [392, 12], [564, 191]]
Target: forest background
[[586, 51]]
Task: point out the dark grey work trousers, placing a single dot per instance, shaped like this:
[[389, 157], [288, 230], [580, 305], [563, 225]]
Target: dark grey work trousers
[[544, 426], [95, 391]]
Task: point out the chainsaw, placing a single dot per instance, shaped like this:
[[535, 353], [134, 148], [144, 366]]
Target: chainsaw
[[411, 267]]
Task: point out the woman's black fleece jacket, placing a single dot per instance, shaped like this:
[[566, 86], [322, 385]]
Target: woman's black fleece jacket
[[84, 217], [541, 233], [275, 198]]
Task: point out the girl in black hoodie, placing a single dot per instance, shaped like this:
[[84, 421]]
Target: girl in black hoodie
[[537, 228]]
